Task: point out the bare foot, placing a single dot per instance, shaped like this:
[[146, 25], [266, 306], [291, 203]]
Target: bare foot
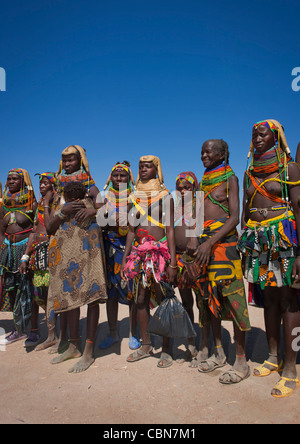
[[201, 356], [50, 342], [60, 347], [82, 365], [71, 353]]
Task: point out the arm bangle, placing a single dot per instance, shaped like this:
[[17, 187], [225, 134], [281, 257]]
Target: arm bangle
[[174, 267], [61, 215], [25, 258]]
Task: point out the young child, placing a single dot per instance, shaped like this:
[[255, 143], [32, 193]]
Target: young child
[[186, 187]]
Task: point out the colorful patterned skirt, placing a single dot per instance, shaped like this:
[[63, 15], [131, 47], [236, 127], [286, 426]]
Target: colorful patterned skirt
[[221, 284], [76, 265], [146, 266], [114, 246], [39, 263], [10, 277], [269, 251]]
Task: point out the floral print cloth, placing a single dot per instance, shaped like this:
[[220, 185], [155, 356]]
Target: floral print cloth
[[76, 265]]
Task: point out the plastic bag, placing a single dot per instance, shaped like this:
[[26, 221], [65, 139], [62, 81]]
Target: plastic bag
[[171, 319], [23, 304]]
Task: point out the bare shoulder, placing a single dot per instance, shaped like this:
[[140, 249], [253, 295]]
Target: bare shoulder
[[294, 172]]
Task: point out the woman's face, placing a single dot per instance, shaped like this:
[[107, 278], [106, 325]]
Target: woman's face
[[262, 139], [147, 170], [185, 188], [45, 186], [118, 177], [70, 163], [211, 156], [14, 183]]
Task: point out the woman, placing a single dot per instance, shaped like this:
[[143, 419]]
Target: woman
[[269, 244], [221, 283], [36, 262], [77, 276], [115, 218], [74, 167], [152, 259], [16, 222]]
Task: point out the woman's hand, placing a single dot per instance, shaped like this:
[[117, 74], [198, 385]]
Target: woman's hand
[[123, 276], [296, 270], [23, 268], [72, 208], [48, 199], [172, 274], [84, 214], [203, 253]]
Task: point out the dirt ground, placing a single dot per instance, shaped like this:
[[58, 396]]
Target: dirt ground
[[112, 391]]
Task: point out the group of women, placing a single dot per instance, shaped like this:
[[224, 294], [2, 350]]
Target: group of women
[[55, 255]]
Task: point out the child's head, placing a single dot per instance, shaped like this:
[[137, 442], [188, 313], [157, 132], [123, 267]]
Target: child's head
[[74, 191]]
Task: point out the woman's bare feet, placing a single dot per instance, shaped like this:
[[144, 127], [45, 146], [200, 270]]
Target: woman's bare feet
[[71, 353]]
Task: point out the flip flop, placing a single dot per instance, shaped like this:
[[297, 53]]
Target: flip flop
[[235, 377], [139, 354], [108, 342], [134, 343], [167, 358], [213, 364]]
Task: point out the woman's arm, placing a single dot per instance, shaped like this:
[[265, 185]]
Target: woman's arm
[[204, 250], [245, 210], [129, 241], [24, 263], [2, 228], [170, 233], [294, 192]]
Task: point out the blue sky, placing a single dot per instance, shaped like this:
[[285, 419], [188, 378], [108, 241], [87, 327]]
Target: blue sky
[[125, 78]]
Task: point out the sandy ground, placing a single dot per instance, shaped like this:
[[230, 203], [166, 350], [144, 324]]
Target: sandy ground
[[112, 391]]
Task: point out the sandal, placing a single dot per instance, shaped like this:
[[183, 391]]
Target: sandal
[[134, 343], [285, 391], [264, 371], [235, 377], [108, 342], [212, 363], [168, 360], [139, 354]]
